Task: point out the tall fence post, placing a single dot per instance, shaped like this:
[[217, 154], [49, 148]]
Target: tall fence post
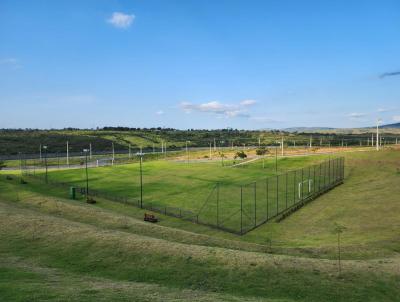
[[314, 179], [266, 194], [342, 168], [217, 204], [277, 194], [241, 209], [294, 186], [302, 180], [255, 203], [329, 171], [286, 188]]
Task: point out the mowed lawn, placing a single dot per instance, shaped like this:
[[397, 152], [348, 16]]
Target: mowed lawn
[[175, 183]]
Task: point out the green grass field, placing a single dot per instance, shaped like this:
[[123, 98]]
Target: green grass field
[[235, 198], [57, 249]]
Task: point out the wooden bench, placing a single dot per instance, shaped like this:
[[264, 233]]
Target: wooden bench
[[150, 218]]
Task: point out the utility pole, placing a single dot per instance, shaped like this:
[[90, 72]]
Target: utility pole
[[282, 146], [259, 142], [87, 175], [90, 150], [67, 154], [45, 162], [187, 152], [310, 141], [377, 135], [372, 139]]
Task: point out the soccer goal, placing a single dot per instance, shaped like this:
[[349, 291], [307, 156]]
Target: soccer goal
[[104, 162], [308, 183]]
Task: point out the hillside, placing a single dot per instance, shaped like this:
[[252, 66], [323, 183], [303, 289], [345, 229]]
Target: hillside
[[55, 248]]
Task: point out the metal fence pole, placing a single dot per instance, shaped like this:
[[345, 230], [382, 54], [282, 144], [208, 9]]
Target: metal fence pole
[[286, 188], [255, 203], [266, 193], [277, 194], [241, 209], [342, 168], [217, 204], [308, 185], [329, 171], [294, 186], [314, 179]]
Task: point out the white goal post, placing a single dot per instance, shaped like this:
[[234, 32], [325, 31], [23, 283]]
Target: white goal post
[[300, 186]]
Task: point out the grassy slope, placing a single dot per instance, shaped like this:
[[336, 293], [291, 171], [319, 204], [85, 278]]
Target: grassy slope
[[49, 245], [106, 241]]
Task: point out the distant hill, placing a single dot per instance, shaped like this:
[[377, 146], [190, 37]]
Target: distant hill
[[392, 126], [307, 129]]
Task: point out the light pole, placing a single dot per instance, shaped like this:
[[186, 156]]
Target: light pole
[[141, 178], [377, 134], [45, 162], [87, 175], [187, 151]]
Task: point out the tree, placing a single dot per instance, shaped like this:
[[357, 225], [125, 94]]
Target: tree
[[241, 155], [261, 151], [339, 229], [2, 165], [222, 155]]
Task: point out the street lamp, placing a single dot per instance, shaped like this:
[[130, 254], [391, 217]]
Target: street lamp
[[187, 151], [87, 175], [140, 154], [45, 162]]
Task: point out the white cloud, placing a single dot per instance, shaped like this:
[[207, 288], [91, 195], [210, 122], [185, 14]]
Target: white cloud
[[356, 115], [227, 110], [396, 118], [121, 20], [160, 112], [248, 102], [12, 62], [263, 119]]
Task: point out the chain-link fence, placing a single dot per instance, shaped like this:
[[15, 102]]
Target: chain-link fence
[[241, 208]]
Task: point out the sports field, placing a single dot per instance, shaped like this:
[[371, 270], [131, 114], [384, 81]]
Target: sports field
[[234, 197]]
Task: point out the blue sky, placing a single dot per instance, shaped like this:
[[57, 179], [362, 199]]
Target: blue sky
[[199, 64]]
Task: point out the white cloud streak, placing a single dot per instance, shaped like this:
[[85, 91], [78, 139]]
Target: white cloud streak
[[356, 115], [121, 20], [215, 107], [11, 62]]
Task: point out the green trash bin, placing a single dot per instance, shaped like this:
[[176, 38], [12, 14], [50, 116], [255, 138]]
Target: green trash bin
[[72, 192]]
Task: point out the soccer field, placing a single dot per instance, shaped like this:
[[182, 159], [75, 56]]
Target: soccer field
[[232, 197]]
